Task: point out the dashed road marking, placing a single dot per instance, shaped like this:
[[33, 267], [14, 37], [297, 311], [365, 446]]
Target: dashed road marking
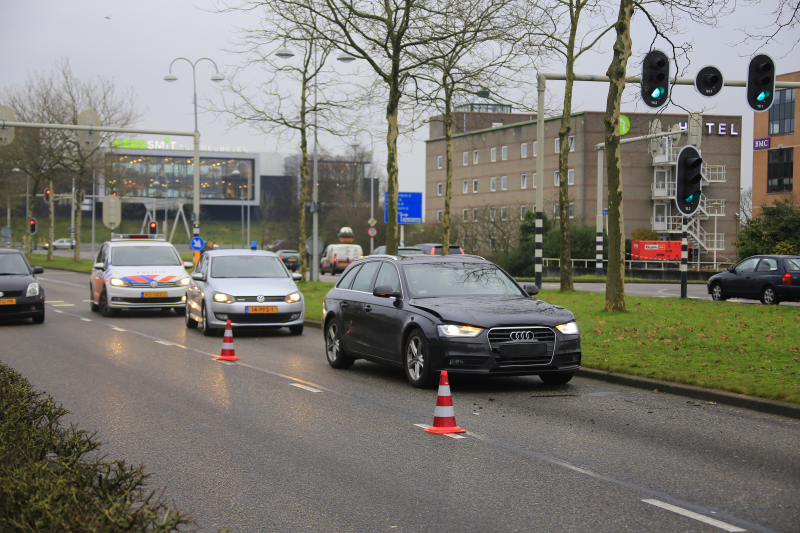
[[55, 301], [226, 363], [695, 516], [62, 305], [115, 328], [304, 387], [165, 343], [451, 435], [87, 319]]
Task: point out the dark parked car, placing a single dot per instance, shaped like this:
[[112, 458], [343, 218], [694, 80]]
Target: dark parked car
[[436, 249], [770, 278], [21, 296], [401, 250], [290, 258], [462, 314]]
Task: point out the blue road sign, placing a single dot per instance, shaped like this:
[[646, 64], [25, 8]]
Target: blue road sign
[[409, 207], [605, 211], [198, 243]]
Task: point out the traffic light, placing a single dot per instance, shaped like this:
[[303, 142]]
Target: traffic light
[[655, 79], [761, 83], [114, 193], [689, 184], [709, 81], [153, 228], [47, 195], [33, 226]]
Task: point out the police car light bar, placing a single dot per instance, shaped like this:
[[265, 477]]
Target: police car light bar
[[135, 236]]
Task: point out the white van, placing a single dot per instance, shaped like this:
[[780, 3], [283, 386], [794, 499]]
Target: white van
[[337, 257]]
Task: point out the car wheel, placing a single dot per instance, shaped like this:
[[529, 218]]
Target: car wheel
[[768, 296], [105, 310], [207, 330], [417, 361], [191, 323], [93, 306], [296, 330], [716, 293], [556, 378], [39, 319], [334, 350]]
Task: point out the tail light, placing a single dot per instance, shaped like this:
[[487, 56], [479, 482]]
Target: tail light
[[433, 250], [281, 258], [786, 279], [334, 257], [360, 256]]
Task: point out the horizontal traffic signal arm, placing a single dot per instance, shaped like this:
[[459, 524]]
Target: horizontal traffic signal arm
[[674, 81]]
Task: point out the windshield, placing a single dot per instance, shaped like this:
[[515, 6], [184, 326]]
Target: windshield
[[247, 266], [13, 264], [144, 256], [436, 280]]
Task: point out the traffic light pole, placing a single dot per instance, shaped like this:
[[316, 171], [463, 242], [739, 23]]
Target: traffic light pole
[[684, 256]]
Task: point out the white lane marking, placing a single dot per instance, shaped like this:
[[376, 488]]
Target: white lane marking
[[423, 426], [165, 343], [451, 435], [87, 319], [695, 516], [304, 387], [115, 328], [85, 301], [55, 301], [225, 363], [57, 311], [62, 305]]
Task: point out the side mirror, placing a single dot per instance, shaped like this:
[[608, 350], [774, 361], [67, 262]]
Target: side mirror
[[385, 291], [99, 266], [38, 270], [732, 268], [198, 276], [188, 264], [296, 276], [531, 289]]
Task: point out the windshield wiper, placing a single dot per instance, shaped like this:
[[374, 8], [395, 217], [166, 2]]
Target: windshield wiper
[[13, 273]]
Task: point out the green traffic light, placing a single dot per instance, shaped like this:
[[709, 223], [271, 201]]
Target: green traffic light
[[763, 95], [658, 92], [690, 198]]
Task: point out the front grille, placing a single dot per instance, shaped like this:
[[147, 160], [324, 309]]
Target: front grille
[[172, 300], [516, 355], [11, 294], [146, 284], [255, 299], [260, 318]]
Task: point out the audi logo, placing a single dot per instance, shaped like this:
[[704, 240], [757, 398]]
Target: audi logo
[[260, 298], [521, 335], [154, 284]]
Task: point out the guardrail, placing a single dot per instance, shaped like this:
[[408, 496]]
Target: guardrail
[[643, 264]]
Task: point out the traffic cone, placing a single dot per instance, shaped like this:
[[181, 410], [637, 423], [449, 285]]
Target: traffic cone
[[444, 417], [228, 353]]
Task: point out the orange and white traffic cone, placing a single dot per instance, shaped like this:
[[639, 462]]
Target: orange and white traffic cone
[[444, 417], [228, 353]]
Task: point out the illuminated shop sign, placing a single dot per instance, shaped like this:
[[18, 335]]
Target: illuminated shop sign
[[721, 128], [166, 144]]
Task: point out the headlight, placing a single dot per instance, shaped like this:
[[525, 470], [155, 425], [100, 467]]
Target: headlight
[[570, 328], [116, 282], [293, 298], [223, 298], [33, 289], [184, 281], [458, 331]]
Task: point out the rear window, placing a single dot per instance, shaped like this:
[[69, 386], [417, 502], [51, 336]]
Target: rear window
[[145, 256], [792, 264]]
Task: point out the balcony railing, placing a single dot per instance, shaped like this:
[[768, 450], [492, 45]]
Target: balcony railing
[[662, 190], [713, 173]]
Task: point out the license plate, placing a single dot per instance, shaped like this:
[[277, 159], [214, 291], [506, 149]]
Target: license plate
[[523, 349], [261, 309], [8, 301], [154, 295], [292, 260]]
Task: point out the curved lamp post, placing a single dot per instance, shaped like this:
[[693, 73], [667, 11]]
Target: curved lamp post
[[216, 77]]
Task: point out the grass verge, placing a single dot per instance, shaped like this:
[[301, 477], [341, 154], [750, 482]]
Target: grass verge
[[48, 482], [314, 292], [742, 348], [61, 263]]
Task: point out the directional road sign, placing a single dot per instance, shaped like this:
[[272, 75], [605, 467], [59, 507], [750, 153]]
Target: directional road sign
[[409, 207], [197, 243]]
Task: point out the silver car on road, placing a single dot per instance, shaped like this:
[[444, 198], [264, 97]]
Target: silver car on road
[[249, 288]]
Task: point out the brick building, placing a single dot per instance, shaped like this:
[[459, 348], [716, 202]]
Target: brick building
[[495, 166], [774, 142]]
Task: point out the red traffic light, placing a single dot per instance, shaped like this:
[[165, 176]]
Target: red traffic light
[[114, 193], [33, 226], [33, 222], [47, 192], [153, 228]]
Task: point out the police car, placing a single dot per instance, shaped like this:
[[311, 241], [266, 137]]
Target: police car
[[138, 272]]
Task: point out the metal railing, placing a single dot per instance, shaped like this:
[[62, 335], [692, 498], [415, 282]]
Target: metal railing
[[670, 264], [674, 224], [663, 190], [713, 173], [666, 156], [712, 208]]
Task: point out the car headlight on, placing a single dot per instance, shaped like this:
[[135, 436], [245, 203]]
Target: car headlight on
[[293, 298], [570, 328], [33, 289], [116, 282], [449, 330], [184, 282], [223, 298]]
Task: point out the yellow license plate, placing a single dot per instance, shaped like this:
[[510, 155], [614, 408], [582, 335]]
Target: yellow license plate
[[154, 295], [263, 309], [8, 301], [292, 260]]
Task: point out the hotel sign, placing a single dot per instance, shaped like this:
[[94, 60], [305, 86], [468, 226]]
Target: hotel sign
[[760, 144], [166, 144]]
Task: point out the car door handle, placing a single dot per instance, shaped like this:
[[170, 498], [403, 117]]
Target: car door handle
[[344, 304], [367, 308]]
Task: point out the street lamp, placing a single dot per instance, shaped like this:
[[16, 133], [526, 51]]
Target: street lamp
[[247, 177], [286, 53], [216, 77]]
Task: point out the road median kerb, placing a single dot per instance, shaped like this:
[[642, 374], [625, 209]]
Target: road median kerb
[[762, 405]]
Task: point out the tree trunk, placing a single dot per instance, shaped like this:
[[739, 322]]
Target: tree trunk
[[565, 261], [615, 284], [301, 212], [392, 182], [448, 196], [52, 229]]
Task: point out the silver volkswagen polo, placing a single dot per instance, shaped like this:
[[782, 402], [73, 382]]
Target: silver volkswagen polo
[[249, 288]]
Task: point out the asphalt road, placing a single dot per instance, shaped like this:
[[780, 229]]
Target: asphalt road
[[281, 442]]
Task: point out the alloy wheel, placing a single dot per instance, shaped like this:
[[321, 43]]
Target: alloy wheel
[[333, 346], [716, 292], [415, 358]]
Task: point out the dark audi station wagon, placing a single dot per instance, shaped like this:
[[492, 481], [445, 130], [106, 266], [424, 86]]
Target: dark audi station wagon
[[461, 313]]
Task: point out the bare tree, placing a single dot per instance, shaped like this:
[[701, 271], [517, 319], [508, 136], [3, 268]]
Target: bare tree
[[745, 205], [787, 21]]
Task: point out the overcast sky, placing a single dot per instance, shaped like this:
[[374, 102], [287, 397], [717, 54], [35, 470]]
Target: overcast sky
[[134, 43]]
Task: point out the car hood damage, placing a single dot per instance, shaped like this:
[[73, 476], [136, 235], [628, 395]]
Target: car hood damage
[[490, 312]]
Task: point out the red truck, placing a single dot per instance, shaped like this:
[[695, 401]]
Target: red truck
[[656, 250]]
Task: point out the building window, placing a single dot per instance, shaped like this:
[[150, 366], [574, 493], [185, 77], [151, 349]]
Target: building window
[[493, 157], [439, 189], [523, 150], [465, 158], [464, 214], [439, 215], [504, 183], [493, 184], [535, 148], [780, 174], [474, 185], [556, 213], [533, 180], [571, 176], [503, 213], [781, 114], [439, 162], [465, 186], [491, 244], [556, 179], [522, 210], [558, 145], [571, 143], [474, 214], [474, 157], [504, 153], [492, 212], [523, 181], [660, 215]]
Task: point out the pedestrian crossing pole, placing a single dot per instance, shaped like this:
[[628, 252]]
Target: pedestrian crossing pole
[[684, 257]]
